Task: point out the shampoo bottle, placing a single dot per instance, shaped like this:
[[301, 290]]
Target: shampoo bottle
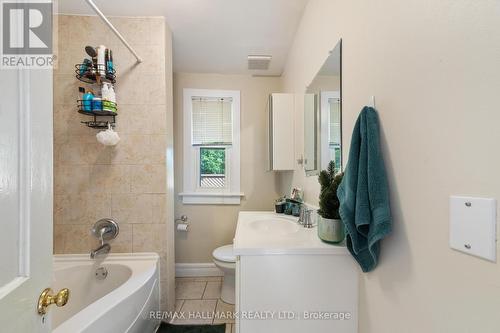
[[101, 61]]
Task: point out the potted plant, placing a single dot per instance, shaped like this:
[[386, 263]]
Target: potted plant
[[330, 226]]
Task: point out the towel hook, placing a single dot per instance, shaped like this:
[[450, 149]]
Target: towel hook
[[372, 102]]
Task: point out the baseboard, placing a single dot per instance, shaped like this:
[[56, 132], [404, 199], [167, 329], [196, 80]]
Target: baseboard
[[196, 269]]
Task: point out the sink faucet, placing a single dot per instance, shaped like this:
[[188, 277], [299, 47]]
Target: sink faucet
[[104, 229], [305, 217]]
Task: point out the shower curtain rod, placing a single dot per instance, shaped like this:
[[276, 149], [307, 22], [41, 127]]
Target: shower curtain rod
[[111, 26]]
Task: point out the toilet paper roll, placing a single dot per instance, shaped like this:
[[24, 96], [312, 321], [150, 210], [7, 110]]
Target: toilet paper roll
[[182, 227]]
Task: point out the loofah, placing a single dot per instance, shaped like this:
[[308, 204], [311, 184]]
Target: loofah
[[108, 137]]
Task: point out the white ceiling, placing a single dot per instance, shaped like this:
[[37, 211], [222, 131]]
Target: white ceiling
[[215, 36]]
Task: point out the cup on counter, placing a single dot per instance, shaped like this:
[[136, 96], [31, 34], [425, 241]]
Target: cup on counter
[[279, 207]]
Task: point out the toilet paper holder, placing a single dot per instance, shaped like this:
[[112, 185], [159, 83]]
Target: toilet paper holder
[[183, 219], [182, 224]]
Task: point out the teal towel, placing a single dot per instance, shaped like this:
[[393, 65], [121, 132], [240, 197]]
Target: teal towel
[[364, 194]]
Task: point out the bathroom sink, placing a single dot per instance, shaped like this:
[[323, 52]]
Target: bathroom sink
[[261, 233], [276, 226]]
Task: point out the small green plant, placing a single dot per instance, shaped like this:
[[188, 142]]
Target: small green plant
[[328, 201], [280, 200]]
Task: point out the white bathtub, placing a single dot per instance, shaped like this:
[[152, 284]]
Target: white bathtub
[[119, 303]]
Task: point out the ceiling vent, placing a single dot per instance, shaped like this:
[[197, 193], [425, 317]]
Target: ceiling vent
[[259, 62]]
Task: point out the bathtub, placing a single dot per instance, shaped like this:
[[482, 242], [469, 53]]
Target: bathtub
[[114, 295]]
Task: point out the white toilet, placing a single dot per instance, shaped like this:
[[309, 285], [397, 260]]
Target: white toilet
[[225, 259]]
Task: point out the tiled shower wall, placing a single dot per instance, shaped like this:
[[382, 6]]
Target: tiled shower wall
[[127, 182]]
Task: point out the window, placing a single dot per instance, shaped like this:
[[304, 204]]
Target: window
[[334, 132], [212, 167], [211, 147]]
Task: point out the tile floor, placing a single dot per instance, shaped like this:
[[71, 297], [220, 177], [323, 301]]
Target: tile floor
[[199, 300]]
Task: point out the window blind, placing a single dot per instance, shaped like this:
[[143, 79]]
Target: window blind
[[212, 121], [334, 125]]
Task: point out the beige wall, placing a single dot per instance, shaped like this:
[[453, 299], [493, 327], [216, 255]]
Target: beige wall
[[126, 182], [214, 225], [434, 68]]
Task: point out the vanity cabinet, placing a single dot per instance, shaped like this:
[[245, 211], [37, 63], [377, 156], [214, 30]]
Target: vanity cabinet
[[281, 132], [288, 281]]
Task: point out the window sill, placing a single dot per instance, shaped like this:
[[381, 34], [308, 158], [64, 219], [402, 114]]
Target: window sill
[[211, 198]]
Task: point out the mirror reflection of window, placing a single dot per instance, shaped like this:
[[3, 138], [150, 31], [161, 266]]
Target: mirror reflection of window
[[323, 116], [310, 139], [334, 139]]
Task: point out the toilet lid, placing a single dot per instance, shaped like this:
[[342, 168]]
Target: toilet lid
[[224, 253]]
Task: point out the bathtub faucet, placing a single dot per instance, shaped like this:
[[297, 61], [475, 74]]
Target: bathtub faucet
[[103, 249], [104, 230]]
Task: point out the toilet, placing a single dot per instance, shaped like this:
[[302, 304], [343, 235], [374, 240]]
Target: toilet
[[225, 260]]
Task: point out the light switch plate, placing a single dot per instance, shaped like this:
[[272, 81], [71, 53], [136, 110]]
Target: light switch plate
[[473, 226]]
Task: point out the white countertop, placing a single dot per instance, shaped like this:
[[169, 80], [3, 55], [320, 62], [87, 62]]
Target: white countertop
[[260, 233]]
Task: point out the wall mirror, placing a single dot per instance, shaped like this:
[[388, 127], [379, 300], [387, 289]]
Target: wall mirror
[[323, 116]]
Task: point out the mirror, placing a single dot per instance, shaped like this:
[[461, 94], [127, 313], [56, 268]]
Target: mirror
[[323, 116]]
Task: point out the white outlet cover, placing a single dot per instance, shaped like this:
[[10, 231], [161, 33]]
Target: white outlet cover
[[473, 226]]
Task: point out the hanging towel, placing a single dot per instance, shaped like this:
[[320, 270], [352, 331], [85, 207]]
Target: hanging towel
[[363, 193]]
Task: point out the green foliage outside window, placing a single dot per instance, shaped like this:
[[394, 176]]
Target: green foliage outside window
[[213, 161]]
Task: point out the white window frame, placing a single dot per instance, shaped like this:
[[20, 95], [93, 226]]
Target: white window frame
[[325, 97], [192, 192]]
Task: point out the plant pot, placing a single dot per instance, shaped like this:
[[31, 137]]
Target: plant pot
[[330, 230]]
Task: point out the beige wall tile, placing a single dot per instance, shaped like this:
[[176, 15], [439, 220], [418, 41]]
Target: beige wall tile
[[77, 239], [82, 149], [157, 29], [137, 29], [66, 89], [158, 119], [58, 241], [153, 59], [147, 178], [131, 87], [155, 93], [159, 203], [158, 149], [133, 149], [109, 179], [159, 176], [71, 179], [92, 181], [148, 237], [133, 120], [123, 242], [67, 122], [85, 28], [132, 208]]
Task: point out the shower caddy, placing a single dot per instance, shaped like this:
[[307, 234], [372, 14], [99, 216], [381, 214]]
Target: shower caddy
[[91, 74]]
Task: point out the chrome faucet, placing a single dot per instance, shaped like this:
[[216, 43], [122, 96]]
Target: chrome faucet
[[305, 217], [103, 249], [104, 230]]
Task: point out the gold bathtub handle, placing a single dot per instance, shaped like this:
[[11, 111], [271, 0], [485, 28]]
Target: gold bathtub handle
[[47, 298]]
